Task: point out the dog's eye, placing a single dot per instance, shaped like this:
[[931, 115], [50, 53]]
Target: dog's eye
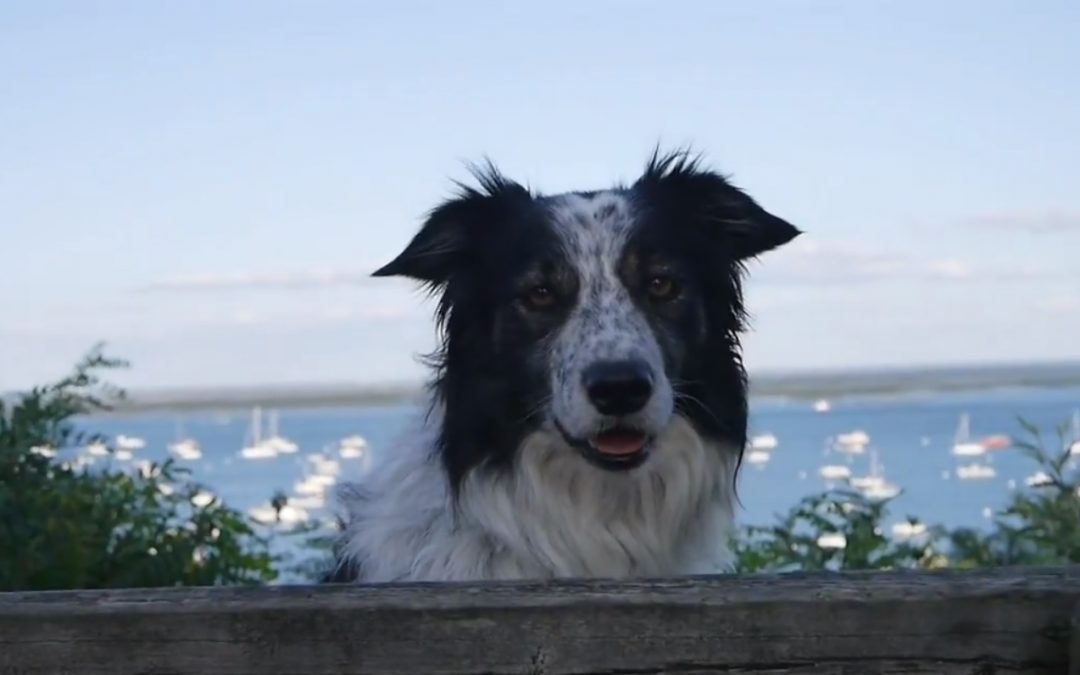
[[538, 298], [662, 287]]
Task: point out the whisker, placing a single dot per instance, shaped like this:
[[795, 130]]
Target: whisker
[[539, 407], [701, 404]]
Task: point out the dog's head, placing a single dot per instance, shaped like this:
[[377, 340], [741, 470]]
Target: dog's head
[[596, 316]]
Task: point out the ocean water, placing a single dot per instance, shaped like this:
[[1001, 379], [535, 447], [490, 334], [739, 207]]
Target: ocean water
[[911, 436]]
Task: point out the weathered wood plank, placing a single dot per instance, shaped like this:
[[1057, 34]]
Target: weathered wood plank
[[1074, 642], [1010, 620]]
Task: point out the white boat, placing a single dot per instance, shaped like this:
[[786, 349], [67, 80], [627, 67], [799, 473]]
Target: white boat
[[822, 406], [308, 502], [266, 515], [968, 449], [130, 442], [874, 485], [1074, 447], [764, 442], [276, 441], [309, 487], [1039, 479], [202, 499], [353, 447], [867, 482], [757, 457], [832, 540], [292, 514], [324, 466], [853, 442], [258, 452], [834, 472], [857, 437], [256, 448], [351, 453], [881, 492], [908, 530], [80, 462], [97, 449], [44, 451], [123, 455], [975, 471], [963, 446], [184, 447], [354, 441]]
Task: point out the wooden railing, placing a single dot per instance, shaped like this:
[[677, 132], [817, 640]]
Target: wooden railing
[[1017, 620]]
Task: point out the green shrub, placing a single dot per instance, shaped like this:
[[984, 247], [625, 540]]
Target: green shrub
[[797, 540], [65, 526], [1039, 526]]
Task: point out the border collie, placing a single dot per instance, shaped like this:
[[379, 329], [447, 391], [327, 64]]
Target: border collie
[[588, 406]]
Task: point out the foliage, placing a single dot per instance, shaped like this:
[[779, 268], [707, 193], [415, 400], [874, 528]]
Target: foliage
[[799, 539], [315, 560], [1040, 525], [63, 525], [312, 558]]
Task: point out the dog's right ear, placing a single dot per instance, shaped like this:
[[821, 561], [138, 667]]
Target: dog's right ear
[[443, 243]]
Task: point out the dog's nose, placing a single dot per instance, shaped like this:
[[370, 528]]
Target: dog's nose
[[618, 387]]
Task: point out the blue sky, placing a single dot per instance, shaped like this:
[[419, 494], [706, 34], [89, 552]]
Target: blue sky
[[205, 185]]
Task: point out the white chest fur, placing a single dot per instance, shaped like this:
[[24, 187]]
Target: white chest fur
[[552, 515]]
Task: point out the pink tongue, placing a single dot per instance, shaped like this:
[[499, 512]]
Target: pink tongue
[[619, 442]]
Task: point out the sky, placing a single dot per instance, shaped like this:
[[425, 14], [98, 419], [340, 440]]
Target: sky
[[206, 186]]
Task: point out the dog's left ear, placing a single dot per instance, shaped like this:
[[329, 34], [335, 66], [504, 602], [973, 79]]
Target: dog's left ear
[[748, 230], [742, 228]]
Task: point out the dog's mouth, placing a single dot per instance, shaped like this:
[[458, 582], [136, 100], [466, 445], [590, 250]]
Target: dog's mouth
[[618, 448]]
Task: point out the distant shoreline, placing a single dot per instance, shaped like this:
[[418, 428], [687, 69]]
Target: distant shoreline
[[806, 386]]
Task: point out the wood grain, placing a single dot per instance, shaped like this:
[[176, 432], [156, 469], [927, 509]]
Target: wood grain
[[1074, 642], [1014, 620]]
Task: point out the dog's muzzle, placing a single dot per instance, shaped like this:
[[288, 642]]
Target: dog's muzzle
[[617, 390], [618, 448]]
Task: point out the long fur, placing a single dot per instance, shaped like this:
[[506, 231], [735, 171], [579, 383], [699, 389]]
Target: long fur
[[499, 478]]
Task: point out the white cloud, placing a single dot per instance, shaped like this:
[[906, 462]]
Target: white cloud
[[338, 313], [814, 263], [285, 280], [376, 308], [960, 270], [1064, 303], [807, 261], [183, 315], [950, 268], [242, 318], [1035, 222]]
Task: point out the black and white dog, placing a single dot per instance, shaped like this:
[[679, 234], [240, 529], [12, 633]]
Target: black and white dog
[[588, 410]]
